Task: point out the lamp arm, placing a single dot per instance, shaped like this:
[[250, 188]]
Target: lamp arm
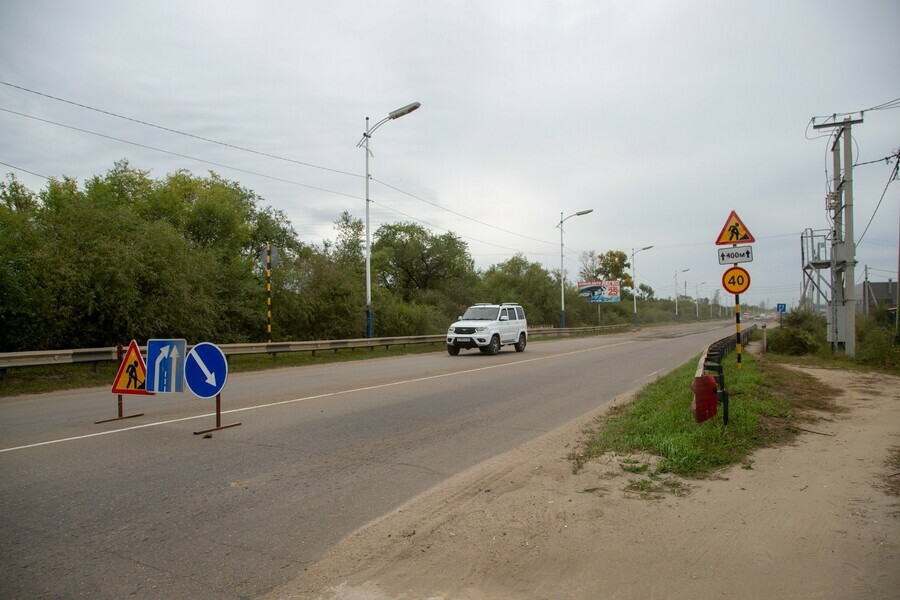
[[371, 130]]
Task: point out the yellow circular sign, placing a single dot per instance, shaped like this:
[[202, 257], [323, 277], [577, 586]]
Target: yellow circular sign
[[736, 280]]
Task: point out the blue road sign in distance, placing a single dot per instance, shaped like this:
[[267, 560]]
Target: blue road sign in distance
[[782, 308], [206, 370], [165, 366]]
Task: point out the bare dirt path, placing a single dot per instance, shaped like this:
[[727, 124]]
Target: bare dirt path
[[809, 520]]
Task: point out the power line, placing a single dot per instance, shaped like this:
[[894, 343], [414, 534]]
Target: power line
[[209, 162], [176, 131], [24, 170], [81, 130], [460, 214], [243, 149], [891, 178]]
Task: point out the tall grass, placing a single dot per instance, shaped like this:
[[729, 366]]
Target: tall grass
[[659, 420]]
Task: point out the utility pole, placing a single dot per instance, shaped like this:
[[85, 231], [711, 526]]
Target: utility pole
[[842, 312]]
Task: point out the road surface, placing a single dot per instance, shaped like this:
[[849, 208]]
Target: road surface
[[143, 508]]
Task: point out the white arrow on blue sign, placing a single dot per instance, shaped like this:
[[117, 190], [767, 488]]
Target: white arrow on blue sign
[[165, 366], [206, 370]]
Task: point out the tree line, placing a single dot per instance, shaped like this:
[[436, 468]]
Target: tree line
[[126, 256]]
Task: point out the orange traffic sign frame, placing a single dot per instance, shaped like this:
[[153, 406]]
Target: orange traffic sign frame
[[132, 375], [736, 280], [734, 232]]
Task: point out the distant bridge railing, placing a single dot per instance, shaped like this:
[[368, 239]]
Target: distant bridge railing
[[95, 356]]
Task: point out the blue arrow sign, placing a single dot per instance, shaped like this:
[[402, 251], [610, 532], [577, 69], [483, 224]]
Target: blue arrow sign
[[165, 366], [782, 308], [205, 370]]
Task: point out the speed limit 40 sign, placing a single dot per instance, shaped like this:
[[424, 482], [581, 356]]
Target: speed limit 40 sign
[[736, 280]]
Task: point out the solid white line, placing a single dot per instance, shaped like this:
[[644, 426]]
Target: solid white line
[[307, 398], [646, 376]]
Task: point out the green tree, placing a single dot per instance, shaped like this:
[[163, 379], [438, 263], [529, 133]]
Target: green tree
[[614, 265], [529, 284], [408, 260]]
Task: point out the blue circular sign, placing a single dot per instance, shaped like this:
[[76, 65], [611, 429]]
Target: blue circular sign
[[205, 370]]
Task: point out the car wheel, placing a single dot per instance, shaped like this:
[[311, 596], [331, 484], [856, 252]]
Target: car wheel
[[520, 345], [494, 346], [452, 350]]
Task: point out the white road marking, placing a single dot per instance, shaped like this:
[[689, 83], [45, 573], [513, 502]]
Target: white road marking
[[308, 398]]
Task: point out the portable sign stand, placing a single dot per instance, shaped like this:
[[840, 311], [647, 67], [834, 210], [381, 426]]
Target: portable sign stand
[[205, 372], [130, 379], [736, 280]]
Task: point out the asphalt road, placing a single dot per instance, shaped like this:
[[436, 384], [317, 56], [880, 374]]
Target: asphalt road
[[143, 508]]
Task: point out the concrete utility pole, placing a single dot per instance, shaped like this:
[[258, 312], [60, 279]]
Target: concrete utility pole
[[842, 312]]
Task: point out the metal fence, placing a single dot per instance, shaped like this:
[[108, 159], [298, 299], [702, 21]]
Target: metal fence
[[711, 362], [95, 356]]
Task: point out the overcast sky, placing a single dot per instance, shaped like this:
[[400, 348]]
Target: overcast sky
[[662, 117]]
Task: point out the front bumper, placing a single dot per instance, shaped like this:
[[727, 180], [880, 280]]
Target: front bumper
[[468, 342]]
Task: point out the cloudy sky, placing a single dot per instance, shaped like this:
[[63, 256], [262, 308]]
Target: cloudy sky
[[662, 117]]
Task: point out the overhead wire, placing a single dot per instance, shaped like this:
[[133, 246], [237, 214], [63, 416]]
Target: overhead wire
[[24, 170], [891, 178], [178, 132], [178, 154], [252, 151]]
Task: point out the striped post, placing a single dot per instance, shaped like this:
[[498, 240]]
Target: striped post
[[737, 322], [269, 292]]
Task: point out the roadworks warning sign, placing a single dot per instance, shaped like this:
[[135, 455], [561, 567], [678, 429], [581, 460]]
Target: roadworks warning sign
[[132, 375], [734, 232]]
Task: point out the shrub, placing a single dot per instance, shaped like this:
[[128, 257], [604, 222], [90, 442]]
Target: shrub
[[875, 344], [801, 332]]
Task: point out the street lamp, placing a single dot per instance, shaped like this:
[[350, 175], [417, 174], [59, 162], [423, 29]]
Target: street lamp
[[676, 289], [364, 143], [697, 297], [634, 280], [562, 289]]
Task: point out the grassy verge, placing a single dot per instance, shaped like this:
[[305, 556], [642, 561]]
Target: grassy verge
[[766, 402], [33, 380]]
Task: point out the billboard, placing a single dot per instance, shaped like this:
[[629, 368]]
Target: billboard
[[600, 291]]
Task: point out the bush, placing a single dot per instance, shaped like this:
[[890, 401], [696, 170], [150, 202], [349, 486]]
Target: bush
[[801, 332], [875, 344], [792, 341]]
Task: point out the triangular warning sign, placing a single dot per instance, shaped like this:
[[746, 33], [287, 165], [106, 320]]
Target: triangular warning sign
[[734, 232], [132, 375]]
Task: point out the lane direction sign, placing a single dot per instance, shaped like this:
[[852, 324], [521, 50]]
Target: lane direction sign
[[737, 254], [165, 365], [206, 370]]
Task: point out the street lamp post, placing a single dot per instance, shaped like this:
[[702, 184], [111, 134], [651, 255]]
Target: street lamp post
[[676, 289], [697, 297], [364, 143], [634, 280], [562, 276]]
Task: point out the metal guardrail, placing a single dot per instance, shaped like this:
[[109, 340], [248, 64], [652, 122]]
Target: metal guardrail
[[97, 355], [711, 361]]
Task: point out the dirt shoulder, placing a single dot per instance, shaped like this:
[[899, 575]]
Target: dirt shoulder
[[809, 520]]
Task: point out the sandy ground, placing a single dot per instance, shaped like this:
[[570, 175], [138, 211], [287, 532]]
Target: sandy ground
[[808, 520]]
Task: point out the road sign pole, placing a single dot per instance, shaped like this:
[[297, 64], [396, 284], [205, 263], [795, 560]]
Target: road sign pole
[[737, 322], [120, 356], [219, 425]]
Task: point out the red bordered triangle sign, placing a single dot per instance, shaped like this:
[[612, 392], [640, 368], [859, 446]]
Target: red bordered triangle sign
[[734, 232], [132, 375]]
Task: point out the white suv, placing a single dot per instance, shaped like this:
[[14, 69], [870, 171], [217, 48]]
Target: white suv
[[487, 327]]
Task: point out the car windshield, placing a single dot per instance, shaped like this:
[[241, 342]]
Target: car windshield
[[481, 313]]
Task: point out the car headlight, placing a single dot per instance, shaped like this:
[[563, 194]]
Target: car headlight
[[481, 329], [450, 330]]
